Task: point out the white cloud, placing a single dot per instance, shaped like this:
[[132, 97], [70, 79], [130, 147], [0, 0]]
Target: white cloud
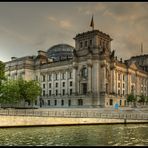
[[65, 24]]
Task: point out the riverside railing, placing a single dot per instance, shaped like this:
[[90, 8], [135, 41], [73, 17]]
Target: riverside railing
[[72, 114]]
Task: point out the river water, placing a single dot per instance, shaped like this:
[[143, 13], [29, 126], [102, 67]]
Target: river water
[[84, 135]]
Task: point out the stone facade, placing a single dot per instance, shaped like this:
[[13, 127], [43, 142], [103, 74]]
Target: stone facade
[[93, 78]]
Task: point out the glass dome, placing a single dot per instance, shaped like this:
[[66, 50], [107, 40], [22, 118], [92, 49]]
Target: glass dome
[[60, 52]]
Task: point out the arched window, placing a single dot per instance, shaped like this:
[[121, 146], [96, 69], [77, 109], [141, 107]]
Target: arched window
[[84, 72]]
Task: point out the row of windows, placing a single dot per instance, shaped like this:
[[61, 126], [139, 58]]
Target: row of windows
[[120, 102], [57, 93], [79, 103], [119, 92], [121, 77], [86, 43], [123, 86], [133, 78], [89, 43], [63, 76], [56, 84], [104, 44]]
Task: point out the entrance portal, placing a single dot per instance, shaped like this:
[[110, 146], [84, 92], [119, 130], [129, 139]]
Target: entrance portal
[[84, 88]]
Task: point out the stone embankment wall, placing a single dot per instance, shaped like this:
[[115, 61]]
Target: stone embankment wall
[[17, 121]]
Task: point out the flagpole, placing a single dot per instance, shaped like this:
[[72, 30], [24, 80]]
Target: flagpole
[[92, 23], [141, 48]]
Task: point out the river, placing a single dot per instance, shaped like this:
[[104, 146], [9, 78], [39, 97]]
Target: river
[[84, 135]]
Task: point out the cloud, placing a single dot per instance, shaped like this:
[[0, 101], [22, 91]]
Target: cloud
[[65, 24], [51, 18]]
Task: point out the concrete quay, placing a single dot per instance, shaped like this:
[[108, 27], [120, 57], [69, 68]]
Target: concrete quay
[[58, 117], [23, 121]]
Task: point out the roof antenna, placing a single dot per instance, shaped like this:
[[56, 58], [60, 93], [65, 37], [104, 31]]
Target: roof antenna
[[141, 48]]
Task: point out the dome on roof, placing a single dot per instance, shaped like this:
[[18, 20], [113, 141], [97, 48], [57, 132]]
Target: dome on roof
[[60, 51]]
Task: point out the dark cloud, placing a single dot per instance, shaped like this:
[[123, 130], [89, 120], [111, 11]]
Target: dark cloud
[[28, 27]]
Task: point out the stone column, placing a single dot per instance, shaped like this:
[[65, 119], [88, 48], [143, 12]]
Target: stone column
[[59, 88], [121, 80], [52, 83], [114, 81], [103, 77], [89, 78], [46, 83], [74, 80], [116, 73], [128, 83], [66, 86]]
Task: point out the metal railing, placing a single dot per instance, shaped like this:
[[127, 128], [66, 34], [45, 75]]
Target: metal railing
[[72, 114]]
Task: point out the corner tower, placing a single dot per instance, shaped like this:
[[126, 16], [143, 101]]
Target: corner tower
[[91, 48]]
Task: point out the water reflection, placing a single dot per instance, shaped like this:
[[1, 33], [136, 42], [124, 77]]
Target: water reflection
[[93, 135]]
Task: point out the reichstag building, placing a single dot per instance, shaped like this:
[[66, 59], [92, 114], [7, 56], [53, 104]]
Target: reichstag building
[[88, 75]]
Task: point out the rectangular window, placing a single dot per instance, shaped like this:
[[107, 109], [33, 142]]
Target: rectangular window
[[62, 102], [90, 42], [43, 85], [63, 84], [70, 83], [80, 102], [49, 85], [69, 102], [123, 92], [123, 85], [81, 44], [118, 91], [63, 75], [55, 102], [49, 77], [43, 92], [43, 78], [119, 76], [63, 92], [35, 102], [49, 102], [70, 91], [56, 84], [42, 102], [70, 75], [56, 76], [118, 85], [123, 77], [49, 92], [85, 43], [56, 92]]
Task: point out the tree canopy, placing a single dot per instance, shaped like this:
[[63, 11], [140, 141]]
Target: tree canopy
[[2, 71], [15, 91]]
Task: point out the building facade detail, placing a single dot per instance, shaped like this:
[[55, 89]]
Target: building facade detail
[[91, 76]]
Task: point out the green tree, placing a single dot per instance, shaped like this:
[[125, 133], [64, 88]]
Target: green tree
[[131, 98], [146, 99], [2, 72], [10, 93], [142, 99], [16, 91], [33, 90]]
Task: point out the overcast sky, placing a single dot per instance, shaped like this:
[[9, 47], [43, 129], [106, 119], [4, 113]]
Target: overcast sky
[[26, 27]]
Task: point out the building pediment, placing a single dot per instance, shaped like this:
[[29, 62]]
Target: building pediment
[[133, 66]]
